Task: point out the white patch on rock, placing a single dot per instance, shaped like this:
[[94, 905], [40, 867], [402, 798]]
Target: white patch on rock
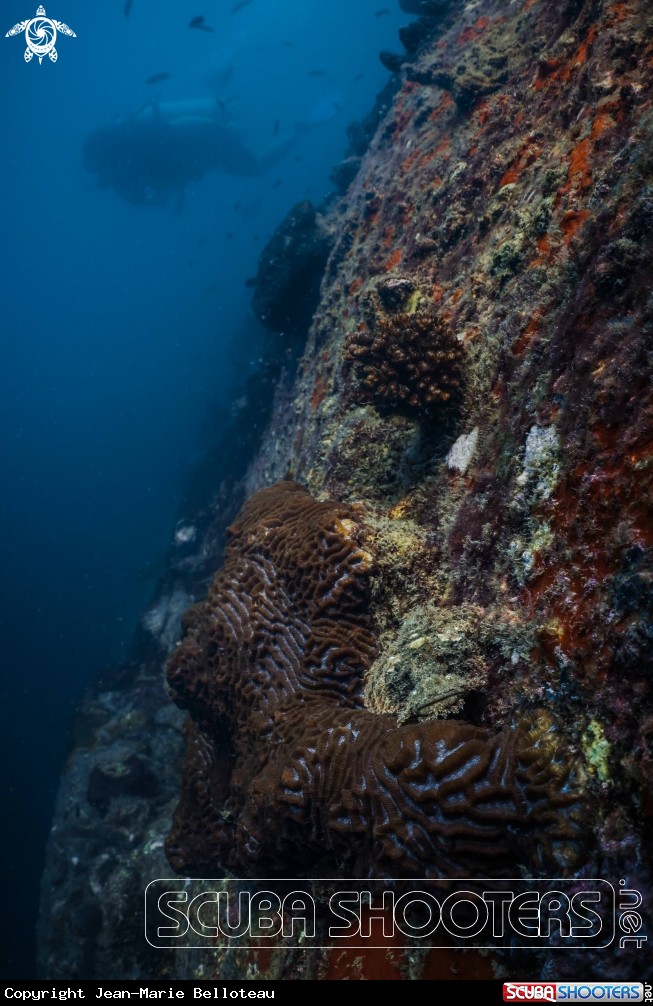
[[185, 534], [536, 482], [163, 619], [462, 451], [541, 460]]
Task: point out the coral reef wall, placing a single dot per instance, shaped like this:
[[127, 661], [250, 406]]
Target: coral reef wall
[[508, 192], [504, 207]]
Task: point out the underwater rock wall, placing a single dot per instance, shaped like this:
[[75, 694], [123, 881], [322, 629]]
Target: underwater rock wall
[[505, 207], [508, 194]]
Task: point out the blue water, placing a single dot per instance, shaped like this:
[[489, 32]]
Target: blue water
[[118, 324]]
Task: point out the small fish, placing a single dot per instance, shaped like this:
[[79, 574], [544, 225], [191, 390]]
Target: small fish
[[288, 45], [212, 288], [317, 73], [380, 13], [157, 78], [237, 205], [359, 76], [127, 7], [275, 129], [202, 240], [191, 262], [277, 184], [240, 5], [229, 234], [298, 158], [198, 22]]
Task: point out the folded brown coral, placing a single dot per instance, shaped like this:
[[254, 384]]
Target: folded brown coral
[[287, 773]]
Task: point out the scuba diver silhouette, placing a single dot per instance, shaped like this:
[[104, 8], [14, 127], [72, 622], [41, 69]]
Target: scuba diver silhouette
[[163, 146]]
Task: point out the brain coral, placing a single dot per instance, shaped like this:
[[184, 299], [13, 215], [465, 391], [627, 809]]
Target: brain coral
[[287, 773]]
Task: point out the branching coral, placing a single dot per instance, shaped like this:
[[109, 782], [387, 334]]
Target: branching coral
[[408, 359], [286, 771]]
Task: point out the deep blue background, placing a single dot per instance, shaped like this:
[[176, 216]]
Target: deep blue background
[[113, 350]]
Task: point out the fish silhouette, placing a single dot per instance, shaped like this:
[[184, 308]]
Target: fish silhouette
[[317, 73], [127, 7], [240, 5], [275, 129], [157, 78], [380, 13], [198, 22]]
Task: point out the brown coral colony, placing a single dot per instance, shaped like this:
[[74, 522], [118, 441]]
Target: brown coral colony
[[407, 359], [286, 772]]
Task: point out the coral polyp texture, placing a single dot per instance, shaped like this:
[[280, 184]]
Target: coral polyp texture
[[412, 360], [285, 770]]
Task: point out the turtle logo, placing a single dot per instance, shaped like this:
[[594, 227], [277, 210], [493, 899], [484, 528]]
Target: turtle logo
[[40, 35]]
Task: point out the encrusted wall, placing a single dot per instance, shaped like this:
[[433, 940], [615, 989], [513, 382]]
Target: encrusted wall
[[504, 208]]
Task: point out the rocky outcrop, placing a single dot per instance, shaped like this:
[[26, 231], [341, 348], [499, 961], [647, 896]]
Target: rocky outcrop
[[291, 266], [508, 191]]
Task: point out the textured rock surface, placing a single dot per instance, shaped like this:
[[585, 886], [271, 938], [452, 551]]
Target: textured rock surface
[[508, 189]]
